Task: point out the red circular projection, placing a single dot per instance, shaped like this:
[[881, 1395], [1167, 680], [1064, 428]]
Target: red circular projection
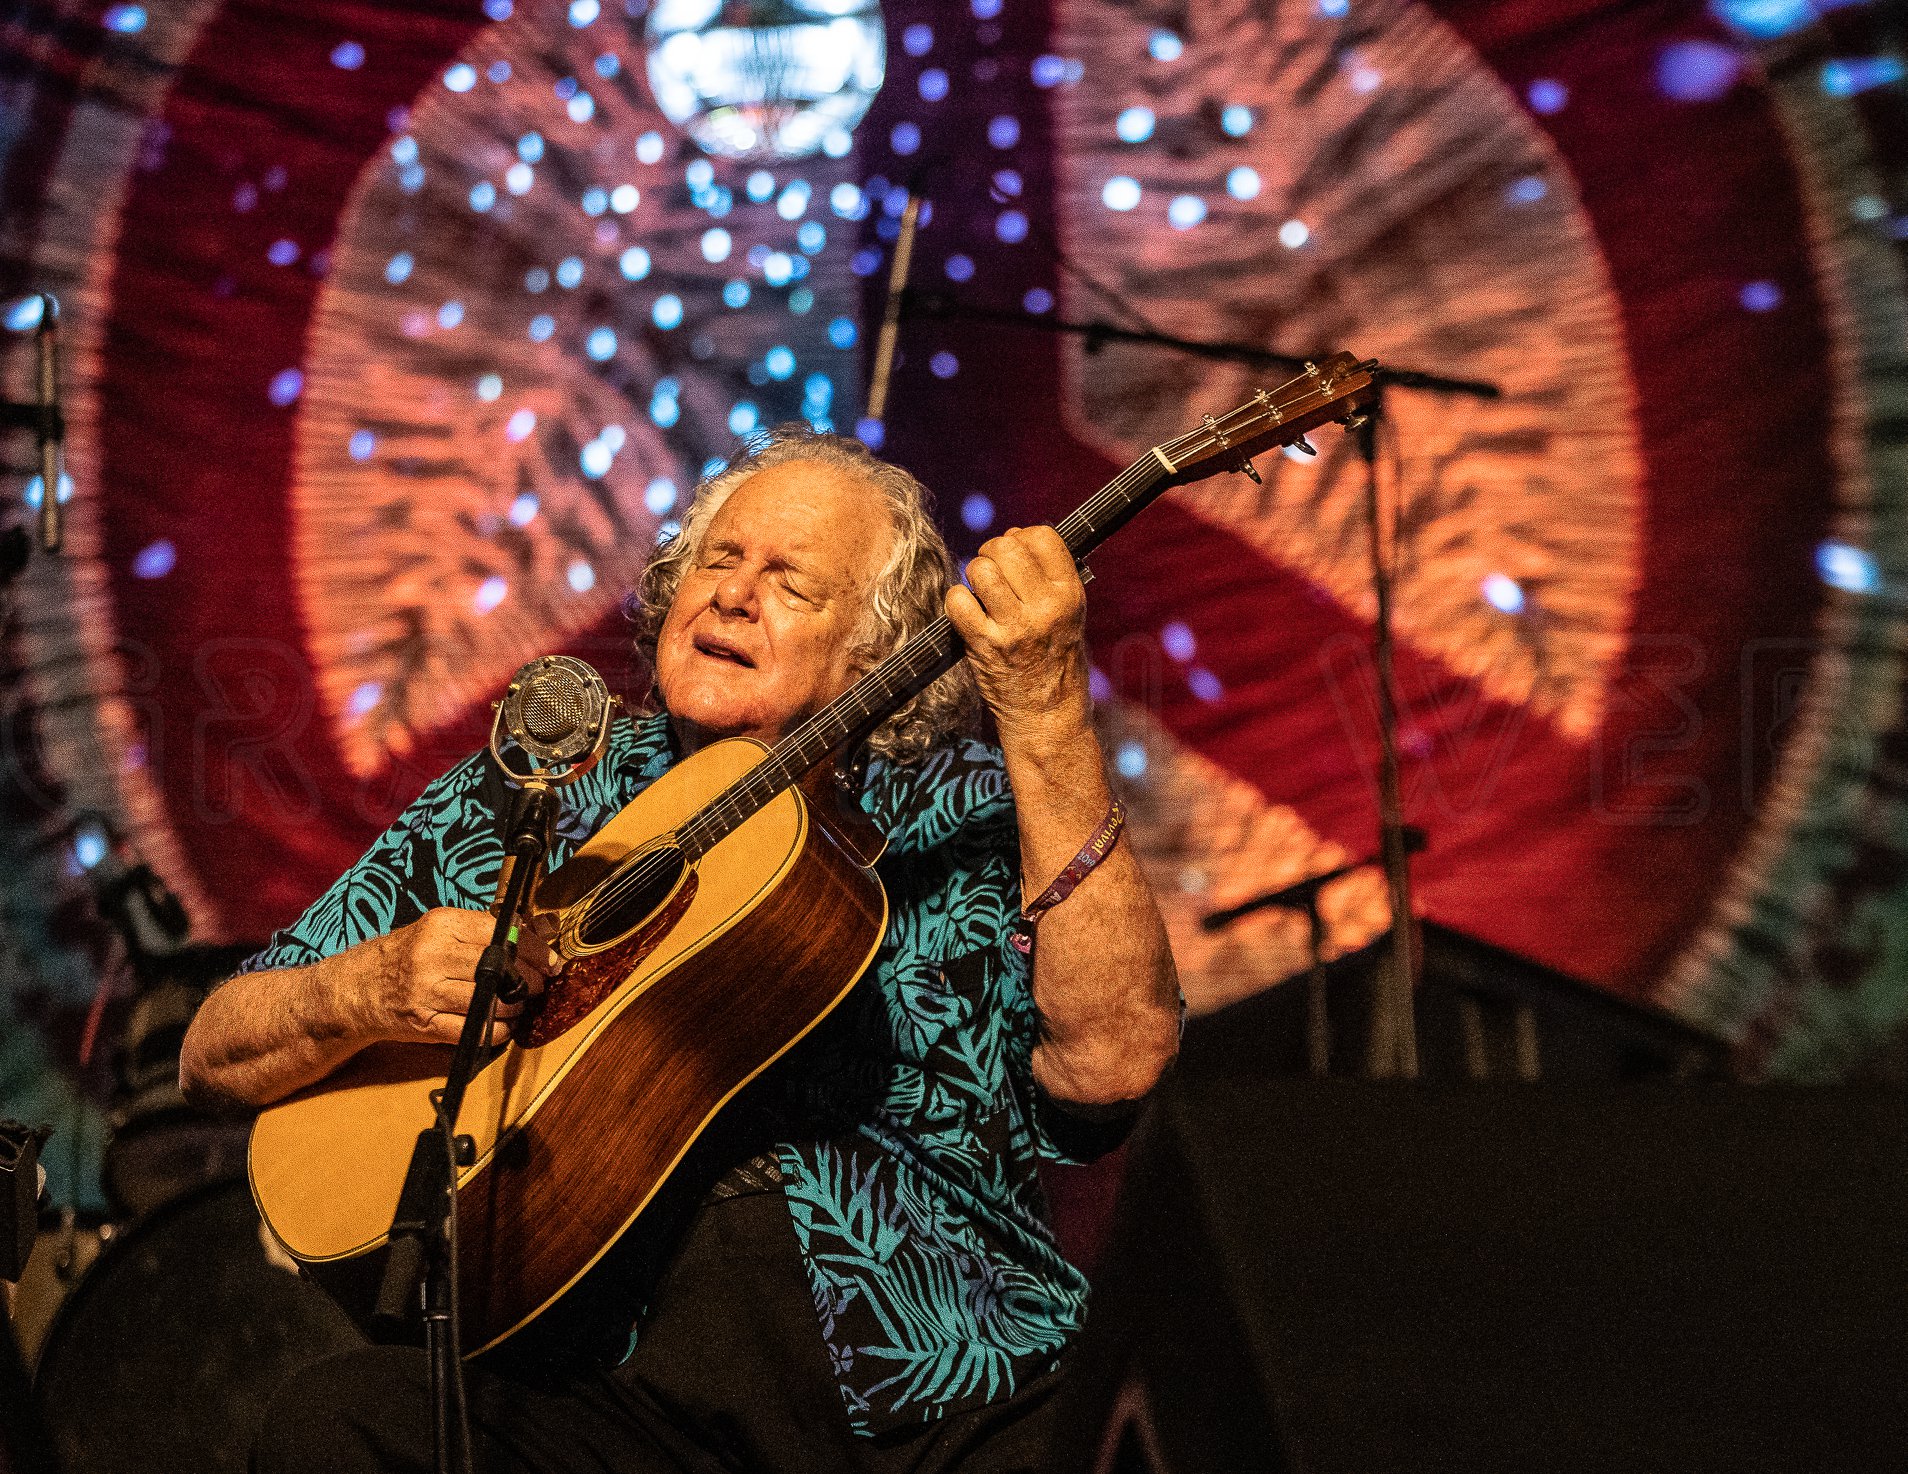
[[1634, 714]]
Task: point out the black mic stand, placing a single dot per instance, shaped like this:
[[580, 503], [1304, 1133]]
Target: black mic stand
[[423, 1237], [1394, 1049]]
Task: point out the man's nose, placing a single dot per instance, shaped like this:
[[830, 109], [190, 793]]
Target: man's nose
[[736, 593]]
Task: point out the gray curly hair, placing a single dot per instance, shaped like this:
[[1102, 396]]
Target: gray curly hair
[[907, 594]]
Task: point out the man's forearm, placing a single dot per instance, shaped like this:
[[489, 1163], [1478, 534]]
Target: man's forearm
[[1103, 970], [262, 1036]]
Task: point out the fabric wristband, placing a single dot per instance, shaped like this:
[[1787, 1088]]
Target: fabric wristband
[[1081, 866]]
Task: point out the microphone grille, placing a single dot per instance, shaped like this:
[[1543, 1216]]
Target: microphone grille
[[555, 703]]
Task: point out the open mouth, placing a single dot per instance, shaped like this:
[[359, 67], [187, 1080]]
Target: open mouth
[[722, 650]]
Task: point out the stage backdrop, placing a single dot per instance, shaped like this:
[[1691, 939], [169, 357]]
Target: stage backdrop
[[397, 334]]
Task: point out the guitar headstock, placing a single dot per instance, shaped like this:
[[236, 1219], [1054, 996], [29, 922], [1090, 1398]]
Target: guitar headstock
[[1333, 388]]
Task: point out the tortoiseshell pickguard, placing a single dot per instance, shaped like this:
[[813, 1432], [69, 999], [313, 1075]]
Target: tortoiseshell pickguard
[[587, 981]]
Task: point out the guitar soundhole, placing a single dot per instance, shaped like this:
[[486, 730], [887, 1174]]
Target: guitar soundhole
[[631, 896]]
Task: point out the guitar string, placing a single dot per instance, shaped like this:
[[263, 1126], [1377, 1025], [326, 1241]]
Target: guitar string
[[902, 674]]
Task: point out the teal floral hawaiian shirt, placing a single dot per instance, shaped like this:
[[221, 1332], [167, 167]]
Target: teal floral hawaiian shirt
[[912, 1126]]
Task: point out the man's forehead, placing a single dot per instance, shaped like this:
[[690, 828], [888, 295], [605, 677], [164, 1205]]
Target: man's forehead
[[808, 506]]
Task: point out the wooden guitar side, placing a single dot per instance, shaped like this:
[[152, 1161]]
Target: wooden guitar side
[[576, 1135]]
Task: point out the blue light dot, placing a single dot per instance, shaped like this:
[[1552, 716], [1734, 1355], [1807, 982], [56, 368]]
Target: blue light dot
[[633, 263], [581, 108], [362, 445], [35, 493], [1121, 192], [1547, 95], [1129, 759], [793, 203], [523, 511], [777, 268], [411, 178], [1333, 9], [595, 459], [698, 173], [580, 576], [347, 56], [404, 150], [282, 253], [812, 236], [960, 267], [584, 12], [90, 845], [1037, 300], [461, 78], [866, 261], [541, 327], [1003, 131], [499, 10], [126, 20], [1847, 76], [364, 699], [536, 279], [779, 361], [917, 39], [933, 85], [1205, 685], [1503, 593], [735, 293], [601, 345], [530, 148], [977, 512], [1760, 296], [1164, 45], [519, 427], [1697, 71], [155, 560], [819, 387], [1846, 567], [869, 432], [483, 194], [842, 332], [905, 138], [985, 9], [716, 244], [1764, 20], [615, 437], [744, 418], [944, 365], [25, 312], [595, 201], [1528, 190], [286, 386], [663, 413], [667, 313], [1176, 639], [519, 178], [1235, 120], [800, 301], [1134, 125], [490, 593], [1185, 211], [1011, 227], [498, 71], [490, 388], [624, 198], [1243, 183], [660, 496], [846, 200], [569, 271], [649, 148]]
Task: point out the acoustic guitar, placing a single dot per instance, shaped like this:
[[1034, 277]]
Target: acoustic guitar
[[708, 927]]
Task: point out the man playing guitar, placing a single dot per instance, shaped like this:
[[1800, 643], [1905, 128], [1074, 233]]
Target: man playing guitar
[[864, 1278]]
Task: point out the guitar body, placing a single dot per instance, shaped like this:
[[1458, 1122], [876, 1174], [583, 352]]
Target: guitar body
[[666, 1008]]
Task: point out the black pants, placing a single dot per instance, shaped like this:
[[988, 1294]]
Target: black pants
[[730, 1374]]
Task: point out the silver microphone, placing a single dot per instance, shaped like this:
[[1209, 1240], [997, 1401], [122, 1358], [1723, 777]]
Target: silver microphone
[[52, 426], [557, 712]]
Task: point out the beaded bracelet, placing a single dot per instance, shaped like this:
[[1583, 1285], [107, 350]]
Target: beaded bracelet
[[1082, 865]]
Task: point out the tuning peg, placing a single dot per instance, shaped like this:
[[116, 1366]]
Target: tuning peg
[[1302, 444], [1251, 470]]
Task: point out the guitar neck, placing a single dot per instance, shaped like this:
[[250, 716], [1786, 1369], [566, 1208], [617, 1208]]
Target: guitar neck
[[906, 673]]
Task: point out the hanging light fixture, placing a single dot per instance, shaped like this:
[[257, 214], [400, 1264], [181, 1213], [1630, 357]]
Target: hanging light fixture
[[766, 79]]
